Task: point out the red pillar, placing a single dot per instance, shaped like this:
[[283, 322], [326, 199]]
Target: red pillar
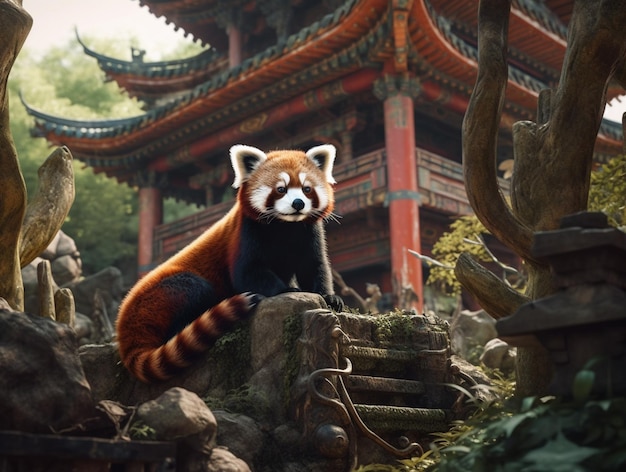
[[150, 215], [397, 93]]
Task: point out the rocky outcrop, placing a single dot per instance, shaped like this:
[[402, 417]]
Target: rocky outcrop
[[473, 337], [254, 354], [96, 297], [43, 388], [271, 386]]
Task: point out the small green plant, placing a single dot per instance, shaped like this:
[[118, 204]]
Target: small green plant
[[142, 432], [448, 247], [393, 329], [245, 399], [607, 192]]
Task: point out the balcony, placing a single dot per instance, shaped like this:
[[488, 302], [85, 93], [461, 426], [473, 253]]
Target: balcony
[[362, 184]]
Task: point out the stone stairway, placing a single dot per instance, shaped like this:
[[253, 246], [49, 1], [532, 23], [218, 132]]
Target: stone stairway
[[390, 404], [374, 383]]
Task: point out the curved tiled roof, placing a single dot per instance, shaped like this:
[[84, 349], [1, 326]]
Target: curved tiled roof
[[152, 80], [161, 69], [353, 37]]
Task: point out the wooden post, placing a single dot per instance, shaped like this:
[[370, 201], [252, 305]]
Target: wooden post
[[403, 199], [234, 45], [150, 216], [230, 19]]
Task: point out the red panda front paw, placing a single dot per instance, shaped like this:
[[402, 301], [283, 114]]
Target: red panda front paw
[[334, 302]]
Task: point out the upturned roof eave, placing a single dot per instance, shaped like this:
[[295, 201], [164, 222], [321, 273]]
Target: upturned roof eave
[[427, 39], [141, 78], [255, 74]]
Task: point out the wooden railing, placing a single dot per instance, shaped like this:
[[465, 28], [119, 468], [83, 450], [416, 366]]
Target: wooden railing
[[362, 183]]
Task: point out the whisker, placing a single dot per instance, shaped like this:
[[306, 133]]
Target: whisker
[[334, 217]]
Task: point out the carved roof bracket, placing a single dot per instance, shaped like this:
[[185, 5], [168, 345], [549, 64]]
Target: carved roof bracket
[[228, 14], [401, 37], [150, 179], [403, 84], [278, 14]]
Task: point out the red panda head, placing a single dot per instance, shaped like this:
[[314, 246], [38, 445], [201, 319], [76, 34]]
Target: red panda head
[[285, 185]]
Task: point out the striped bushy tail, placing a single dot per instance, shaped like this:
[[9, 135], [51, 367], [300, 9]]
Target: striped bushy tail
[[163, 362]]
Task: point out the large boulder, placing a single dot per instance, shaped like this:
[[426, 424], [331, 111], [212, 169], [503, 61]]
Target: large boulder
[[469, 332], [66, 269], [108, 282], [499, 355], [42, 387], [181, 416], [240, 434]]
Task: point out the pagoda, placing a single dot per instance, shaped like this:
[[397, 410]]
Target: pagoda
[[386, 81]]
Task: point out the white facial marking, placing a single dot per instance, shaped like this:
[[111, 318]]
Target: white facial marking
[[259, 196], [284, 206], [322, 197], [284, 176], [302, 177]]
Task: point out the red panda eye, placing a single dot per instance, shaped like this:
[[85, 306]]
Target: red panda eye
[[306, 189], [281, 189]]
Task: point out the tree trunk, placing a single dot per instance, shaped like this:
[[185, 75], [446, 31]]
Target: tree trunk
[[553, 156], [15, 24], [25, 231]]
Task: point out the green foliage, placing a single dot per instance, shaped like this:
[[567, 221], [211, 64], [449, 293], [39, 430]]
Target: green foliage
[[608, 190], [607, 194], [103, 220], [448, 248], [142, 432], [422, 463], [543, 435], [538, 434], [246, 400], [503, 389], [65, 82]]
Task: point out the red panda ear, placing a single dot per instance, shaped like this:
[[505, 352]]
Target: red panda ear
[[324, 157], [245, 160]]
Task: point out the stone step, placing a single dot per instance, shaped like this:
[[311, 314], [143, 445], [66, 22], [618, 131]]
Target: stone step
[[382, 418], [376, 353], [364, 383]]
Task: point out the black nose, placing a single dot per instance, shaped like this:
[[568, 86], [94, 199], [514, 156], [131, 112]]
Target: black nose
[[297, 204]]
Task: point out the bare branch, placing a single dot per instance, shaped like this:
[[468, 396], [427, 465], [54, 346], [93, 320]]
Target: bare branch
[[46, 212], [430, 260], [496, 297]]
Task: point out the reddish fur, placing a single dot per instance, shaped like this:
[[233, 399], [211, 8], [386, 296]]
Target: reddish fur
[[146, 312]]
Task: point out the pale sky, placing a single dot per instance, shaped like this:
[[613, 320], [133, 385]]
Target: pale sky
[[54, 22]]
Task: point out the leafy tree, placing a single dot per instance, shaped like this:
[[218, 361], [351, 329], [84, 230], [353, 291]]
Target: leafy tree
[[65, 82], [448, 247], [608, 191]]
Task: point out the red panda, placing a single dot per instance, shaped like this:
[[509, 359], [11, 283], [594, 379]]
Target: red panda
[[272, 236]]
